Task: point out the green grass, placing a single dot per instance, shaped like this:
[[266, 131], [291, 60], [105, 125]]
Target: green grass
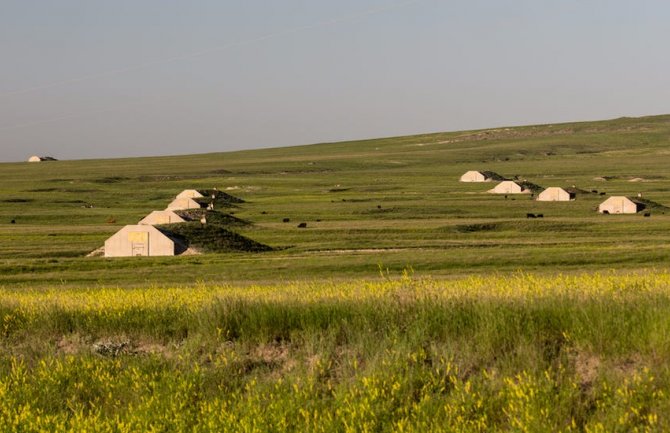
[[211, 237], [520, 353], [319, 333], [394, 201]]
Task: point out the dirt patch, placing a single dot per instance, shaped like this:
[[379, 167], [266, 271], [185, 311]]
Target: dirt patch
[[587, 366], [313, 363], [271, 358], [273, 353], [627, 367], [114, 346], [146, 348], [71, 344]]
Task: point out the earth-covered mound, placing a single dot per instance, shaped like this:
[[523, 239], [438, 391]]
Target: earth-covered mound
[[211, 238]]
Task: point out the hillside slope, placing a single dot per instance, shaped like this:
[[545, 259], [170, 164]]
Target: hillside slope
[[393, 201]]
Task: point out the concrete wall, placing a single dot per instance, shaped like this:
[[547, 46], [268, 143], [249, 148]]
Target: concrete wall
[[618, 205], [554, 194], [162, 217], [183, 204], [139, 240], [189, 193]]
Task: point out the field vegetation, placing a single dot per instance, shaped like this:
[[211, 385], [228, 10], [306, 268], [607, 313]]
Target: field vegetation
[[352, 287], [520, 353], [396, 201]]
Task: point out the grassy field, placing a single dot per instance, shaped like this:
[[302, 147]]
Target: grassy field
[[410, 302], [520, 354], [394, 202]]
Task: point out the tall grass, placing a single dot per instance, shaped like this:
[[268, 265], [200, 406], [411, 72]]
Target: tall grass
[[567, 353]]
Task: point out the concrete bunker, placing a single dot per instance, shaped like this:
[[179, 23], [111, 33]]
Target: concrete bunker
[[158, 217], [509, 187], [140, 240], [555, 193], [620, 205]]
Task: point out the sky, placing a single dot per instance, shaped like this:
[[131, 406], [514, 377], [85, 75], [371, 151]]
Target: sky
[[91, 79]]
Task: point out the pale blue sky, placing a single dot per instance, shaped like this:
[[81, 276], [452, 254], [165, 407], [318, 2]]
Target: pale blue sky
[[88, 78]]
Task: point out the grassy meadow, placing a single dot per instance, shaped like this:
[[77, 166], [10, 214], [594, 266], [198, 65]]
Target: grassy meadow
[[410, 302], [392, 201], [517, 353]]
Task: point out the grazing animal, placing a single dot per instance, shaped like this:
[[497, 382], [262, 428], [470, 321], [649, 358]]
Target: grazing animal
[[647, 214], [530, 215], [302, 225], [286, 220], [540, 215]]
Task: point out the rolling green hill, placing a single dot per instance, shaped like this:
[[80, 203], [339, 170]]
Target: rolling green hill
[[389, 203], [325, 327]]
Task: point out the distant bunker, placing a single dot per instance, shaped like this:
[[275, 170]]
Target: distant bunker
[[162, 217], [620, 205], [183, 204], [555, 193], [480, 176], [35, 158], [190, 236], [190, 225], [139, 240], [509, 187], [203, 199], [190, 193]]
